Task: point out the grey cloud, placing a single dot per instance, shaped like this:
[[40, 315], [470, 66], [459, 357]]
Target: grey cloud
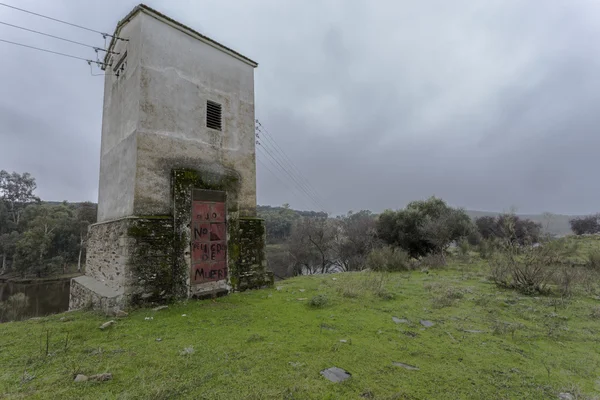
[[486, 104]]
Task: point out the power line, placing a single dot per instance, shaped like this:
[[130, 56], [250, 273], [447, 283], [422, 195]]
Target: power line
[[57, 37], [272, 141], [296, 176], [53, 52], [290, 174], [61, 21], [276, 146], [278, 178], [308, 195]]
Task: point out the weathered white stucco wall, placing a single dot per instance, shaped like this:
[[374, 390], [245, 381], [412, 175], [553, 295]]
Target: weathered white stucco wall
[[119, 122], [155, 119], [178, 75]]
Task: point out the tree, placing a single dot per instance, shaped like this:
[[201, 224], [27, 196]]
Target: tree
[[16, 192], [487, 227], [278, 222], [8, 245], [354, 239], [510, 227], [86, 215], [520, 230], [423, 227], [37, 249], [310, 245], [447, 227], [585, 225]]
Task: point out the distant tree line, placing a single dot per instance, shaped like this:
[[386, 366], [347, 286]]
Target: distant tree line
[[38, 238], [424, 229]]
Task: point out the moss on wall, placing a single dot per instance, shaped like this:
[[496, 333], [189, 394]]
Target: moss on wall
[[151, 259], [245, 235], [251, 271], [159, 261], [183, 181]]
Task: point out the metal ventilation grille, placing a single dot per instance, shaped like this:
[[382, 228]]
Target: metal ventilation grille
[[213, 115]]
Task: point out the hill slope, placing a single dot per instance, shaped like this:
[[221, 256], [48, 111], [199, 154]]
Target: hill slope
[[270, 344]]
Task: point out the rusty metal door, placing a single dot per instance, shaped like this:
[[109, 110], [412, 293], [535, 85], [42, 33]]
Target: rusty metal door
[[209, 236]]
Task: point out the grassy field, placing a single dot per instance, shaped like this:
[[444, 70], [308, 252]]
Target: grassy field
[[485, 343]]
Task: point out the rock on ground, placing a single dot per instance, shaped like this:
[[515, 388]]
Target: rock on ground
[[81, 378], [101, 377], [159, 308], [107, 324], [335, 374], [407, 366]]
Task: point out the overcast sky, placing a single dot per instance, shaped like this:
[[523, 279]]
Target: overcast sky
[[488, 104]]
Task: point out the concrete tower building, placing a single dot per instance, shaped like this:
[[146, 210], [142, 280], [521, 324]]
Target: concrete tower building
[[177, 192]]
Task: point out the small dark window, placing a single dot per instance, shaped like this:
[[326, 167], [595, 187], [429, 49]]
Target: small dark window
[[213, 115]]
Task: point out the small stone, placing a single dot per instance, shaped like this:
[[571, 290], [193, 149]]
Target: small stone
[[107, 324], [120, 314], [159, 308], [148, 318], [335, 374], [302, 290], [279, 288], [81, 378], [27, 377], [399, 320], [184, 315], [334, 279], [426, 323], [302, 299], [158, 339], [406, 366], [343, 341], [566, 396], [101, 377], [62, 319], [146, 296], [187, 351]]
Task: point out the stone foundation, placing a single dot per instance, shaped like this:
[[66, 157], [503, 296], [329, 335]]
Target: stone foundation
[[146, 259]]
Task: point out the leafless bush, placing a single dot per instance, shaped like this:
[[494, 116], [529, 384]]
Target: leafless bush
[[444, 295], [360, 283], [388, 259], [432, 261], [503, 328], [595, 312], [594, 260]]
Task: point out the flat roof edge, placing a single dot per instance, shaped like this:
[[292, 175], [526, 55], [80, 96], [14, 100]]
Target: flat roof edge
[[179, 26]]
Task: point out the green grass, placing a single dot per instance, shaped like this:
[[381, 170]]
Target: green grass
[[267, 344]]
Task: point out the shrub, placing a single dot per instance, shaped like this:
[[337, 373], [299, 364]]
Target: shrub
[[318, 301], [528, 270], [356, 284], [594, 260], [463, 248], [585, 225], [595, 312], [486, 249], [432, 261], [424, 227], [388, 259], [445, 295]]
